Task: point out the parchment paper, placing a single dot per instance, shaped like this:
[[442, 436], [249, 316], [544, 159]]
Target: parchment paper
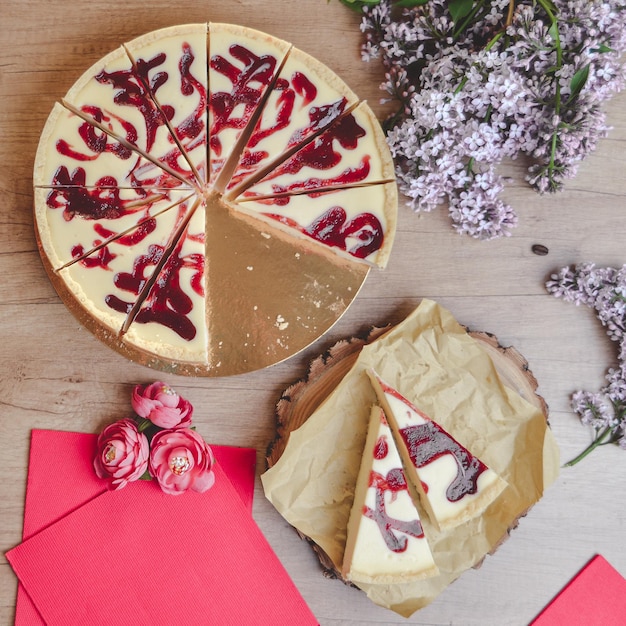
[[431, 359]]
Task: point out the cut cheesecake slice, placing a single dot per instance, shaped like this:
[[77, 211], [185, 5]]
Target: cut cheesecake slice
[[174, 311], [243, 64], [78, 152], [113, 98], [351, 152], [76, 221], [358, 223], [172, 63], [454, 485], [385, 539], [113, 276], [306, 99]]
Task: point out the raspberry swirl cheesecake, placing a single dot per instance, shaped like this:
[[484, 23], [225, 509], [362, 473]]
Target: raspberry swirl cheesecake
[[385, 542], [454, 485], [209, 199]]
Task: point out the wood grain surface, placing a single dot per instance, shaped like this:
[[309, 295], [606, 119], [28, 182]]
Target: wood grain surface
[[56, 375]]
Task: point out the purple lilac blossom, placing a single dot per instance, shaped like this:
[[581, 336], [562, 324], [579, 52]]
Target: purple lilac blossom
[[469, 99], [604, 290]]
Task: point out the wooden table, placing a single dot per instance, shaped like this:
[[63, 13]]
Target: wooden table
[[56, 375]]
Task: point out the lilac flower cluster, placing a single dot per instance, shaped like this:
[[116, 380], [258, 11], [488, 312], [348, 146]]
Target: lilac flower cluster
[[604, 290], [509, 78]]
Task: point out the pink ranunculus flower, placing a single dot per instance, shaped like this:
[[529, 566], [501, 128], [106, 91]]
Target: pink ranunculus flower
[[160, 404], [122, 453], [180, 460]]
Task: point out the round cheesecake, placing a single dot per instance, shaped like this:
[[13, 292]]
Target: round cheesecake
[[209, 199]]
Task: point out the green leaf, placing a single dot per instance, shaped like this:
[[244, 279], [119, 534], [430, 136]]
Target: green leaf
[[409, 4], [602, 49], [145, 476], [549, 7], [553, 31], [550, 4], [357, 5], [578, 82], [460, 9]]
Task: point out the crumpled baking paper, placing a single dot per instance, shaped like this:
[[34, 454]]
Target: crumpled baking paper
[[433, 361]]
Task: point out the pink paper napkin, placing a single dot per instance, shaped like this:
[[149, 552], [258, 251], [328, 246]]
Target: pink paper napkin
[[139, 556], [61, 476], [596, 595]]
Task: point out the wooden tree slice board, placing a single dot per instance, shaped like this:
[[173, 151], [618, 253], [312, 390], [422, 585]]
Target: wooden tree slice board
[[300, 400]]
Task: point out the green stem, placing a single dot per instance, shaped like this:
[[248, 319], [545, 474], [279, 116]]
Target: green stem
[[461, 85], [492, 42], [468, 18], [547, 6], [598, 441], [143, 424], [554, 30]]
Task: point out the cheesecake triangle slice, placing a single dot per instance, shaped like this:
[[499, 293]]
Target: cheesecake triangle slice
[[385, 538], [453, 484]]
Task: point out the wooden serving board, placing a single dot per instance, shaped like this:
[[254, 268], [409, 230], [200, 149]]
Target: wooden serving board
[[300, 400]]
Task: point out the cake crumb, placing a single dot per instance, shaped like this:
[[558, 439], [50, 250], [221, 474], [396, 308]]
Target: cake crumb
[[281, 323]]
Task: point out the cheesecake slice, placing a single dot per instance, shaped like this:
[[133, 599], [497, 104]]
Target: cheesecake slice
[[306, 99], [75, 151], [173, 313], [77, 221], [350, 152], [114, 101], [453, 484], [243, 64], [358, 223], [109, 280], [385, 539], [172, 63]]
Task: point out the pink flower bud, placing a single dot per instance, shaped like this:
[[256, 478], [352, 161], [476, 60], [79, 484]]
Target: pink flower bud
[[122, 454], [180, 460], [160, 404]]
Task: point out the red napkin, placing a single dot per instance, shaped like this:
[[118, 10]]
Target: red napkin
[[596, 595], [139, 556], [61, 479]]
